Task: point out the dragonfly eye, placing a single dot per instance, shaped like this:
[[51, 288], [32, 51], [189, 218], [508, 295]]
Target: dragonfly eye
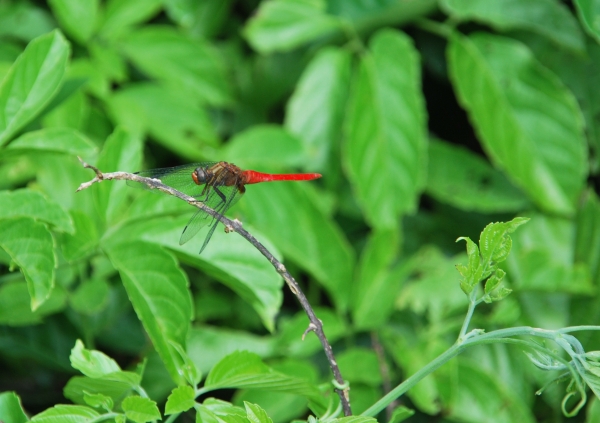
[[199, 176]]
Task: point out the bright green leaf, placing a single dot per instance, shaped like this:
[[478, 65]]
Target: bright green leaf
[[180, 400], [56, 140], [245, 370], [256, 414], [76, 17], [32, 81], [24, 21], [283, 25], [140, 410], [202, 19], [534, 130], [112, 386], [157, 289], [12, 411], [121, 16], [121, 151], [85, 239], [92, 363], [588, 12], [33, 204], [90, 297], [315, 110], [548, 18], [66, 413], [386, 148], [401, 413], [360, 365], [98, 401], [31, 246]]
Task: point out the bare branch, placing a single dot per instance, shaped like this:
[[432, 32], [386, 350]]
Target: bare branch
[[315, 324]]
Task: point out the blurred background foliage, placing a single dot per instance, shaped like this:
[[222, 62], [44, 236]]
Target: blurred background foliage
[[428, 119]]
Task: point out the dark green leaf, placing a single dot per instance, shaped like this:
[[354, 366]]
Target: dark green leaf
[[588, 11], [77, 18], [548, 18], [283, 25], [587, 237], [15, 304], [157, 288], [140, 410], [360, 365], [386, 151], [32, 81], [85, 239], [24, 21], [90, 297], [460, 178], [79, 387], [180, 400], [528, 121], [203, 18], [31, 247], [400, 414]]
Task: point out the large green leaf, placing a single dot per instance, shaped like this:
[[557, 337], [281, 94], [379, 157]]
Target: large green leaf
[[31, 82], [172, 117], [245, 370], [228, 258], [548, 18], [12, 411], [385, 154], [120, 16], [33, 204], [315, 110], [527, 120], [66, 413], [289, 216], [461, 178], [121, 152], [31, 247], [15, 304], [377, 284], [157, 288], [283, 25], [77, 18], [58, 140], [588, 11], [189, 65]]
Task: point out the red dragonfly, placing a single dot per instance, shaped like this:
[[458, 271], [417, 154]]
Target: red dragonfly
[[217, 184]]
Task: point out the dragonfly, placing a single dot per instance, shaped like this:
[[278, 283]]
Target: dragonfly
[[219, 185]]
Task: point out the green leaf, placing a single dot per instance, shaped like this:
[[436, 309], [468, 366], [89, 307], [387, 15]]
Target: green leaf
[[15, 304], [224, 410], [386, 151], [290, 217], [32, 81], [56, 140], [140, 410], [544, 153], [189, 65], [31, 247], [120, 16], [66, 413], [33, 204], [493, 282], [171, 116], [180, 400], [547, 18], [85, 239], [354, 419], [121, 151], [283, 25], [76, 17], [80, 387], [269, 147], [252, 278], [157, 289], [92, 363], [588, 11], [360, 365], [24, 21], [245, 370], [90, 297], [400, 414], [98, 401], [471, 274], [12, 411], [587, 235], [202, 19], [495, 242], [315, 109], [256, 414], [462, 179], [375, 287]]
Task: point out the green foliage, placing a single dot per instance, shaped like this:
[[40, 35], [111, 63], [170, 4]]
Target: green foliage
[[362, 92]]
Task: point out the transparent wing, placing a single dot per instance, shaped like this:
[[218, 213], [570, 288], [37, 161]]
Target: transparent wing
[[178, 177]]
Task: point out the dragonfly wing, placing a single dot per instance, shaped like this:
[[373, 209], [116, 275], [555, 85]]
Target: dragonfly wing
[[197, 222], [178, 177]]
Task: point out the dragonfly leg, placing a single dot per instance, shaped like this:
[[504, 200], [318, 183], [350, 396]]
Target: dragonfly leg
[[220, 194]]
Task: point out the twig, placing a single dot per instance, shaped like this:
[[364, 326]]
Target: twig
[[315, 324]]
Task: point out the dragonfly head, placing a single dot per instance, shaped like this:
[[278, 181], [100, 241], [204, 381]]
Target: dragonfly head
[[200, 176]]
